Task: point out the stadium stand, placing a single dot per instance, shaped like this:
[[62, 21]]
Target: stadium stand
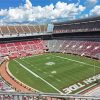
[[22, 30], [4, 87], [12, 30], [1, 60], [19, 29], [83, 48], [85, 25], [4, 30], [24, 48], [95, 91]]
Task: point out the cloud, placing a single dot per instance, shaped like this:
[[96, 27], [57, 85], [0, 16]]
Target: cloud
[[3, 12], [29, 13], [28, 4], [95, 11], [90, 3]]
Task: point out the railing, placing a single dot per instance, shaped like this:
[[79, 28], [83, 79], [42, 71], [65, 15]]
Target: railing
[[76, 30], [45, 96]]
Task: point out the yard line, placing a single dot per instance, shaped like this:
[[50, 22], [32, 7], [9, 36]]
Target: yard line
[[78, 61], [38, 76]]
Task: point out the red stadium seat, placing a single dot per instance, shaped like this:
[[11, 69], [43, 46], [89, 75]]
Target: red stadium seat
[[22, 49]]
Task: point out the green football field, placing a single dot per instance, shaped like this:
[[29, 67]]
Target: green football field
[[52, 72]]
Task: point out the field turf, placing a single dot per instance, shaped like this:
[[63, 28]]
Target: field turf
[[52, 72]]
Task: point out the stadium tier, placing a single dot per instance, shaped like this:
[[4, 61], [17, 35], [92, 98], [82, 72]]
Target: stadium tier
[[85, 25], [22, 30], [20, 49]]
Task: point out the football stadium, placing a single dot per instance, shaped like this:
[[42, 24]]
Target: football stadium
[[54, 60]]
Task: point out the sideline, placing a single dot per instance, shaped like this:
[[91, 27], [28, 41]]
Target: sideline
[[38, 76], [18, 81], [78, 61]]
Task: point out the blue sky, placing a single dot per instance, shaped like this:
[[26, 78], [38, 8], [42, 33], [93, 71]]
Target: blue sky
[[34, 11], [14, 3], [5, 4]]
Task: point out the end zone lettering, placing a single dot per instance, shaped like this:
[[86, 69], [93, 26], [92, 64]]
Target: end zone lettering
[[80, 85], [73, 88]]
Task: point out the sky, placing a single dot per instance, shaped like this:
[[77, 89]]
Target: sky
[[46, 11]]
